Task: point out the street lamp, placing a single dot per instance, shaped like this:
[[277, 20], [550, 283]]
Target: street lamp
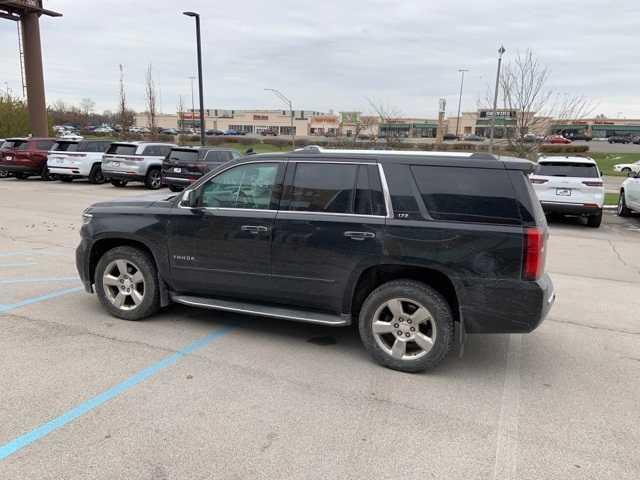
[[197, 17], [281, 96], [495, 98], [462, 70]]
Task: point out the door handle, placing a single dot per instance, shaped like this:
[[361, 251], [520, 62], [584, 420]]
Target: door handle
[[359, 235], [254, 228]]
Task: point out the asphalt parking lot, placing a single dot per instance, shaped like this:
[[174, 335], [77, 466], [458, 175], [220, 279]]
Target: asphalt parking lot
[[87, 396]]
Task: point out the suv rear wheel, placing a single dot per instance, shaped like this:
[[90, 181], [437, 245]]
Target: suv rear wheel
[[175, 188], [95, 176], [127, 283], [119, 183], [406, 325], [594, 221], [623, 210], [153, 180]]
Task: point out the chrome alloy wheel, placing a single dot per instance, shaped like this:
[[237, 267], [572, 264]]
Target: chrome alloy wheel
[[123, 284], [404, 329]]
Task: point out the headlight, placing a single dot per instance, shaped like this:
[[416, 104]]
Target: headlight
[[86, 218]]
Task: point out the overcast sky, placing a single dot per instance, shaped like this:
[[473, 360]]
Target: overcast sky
[[332, 54]]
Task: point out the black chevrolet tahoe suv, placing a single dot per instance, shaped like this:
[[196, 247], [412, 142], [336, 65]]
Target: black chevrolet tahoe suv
[[418, 248]]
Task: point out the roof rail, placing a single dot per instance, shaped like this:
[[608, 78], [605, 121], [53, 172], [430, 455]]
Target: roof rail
[[483, 156]]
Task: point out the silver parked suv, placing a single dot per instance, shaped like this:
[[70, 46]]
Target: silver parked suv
[[126, 162]]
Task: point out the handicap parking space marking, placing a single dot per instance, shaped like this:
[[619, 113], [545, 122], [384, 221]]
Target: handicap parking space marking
[[40, 298], [45, 429]]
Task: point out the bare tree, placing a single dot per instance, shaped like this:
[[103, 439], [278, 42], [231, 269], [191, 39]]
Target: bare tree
[[151, 100], [524, 91], [180, 112], [387, 114], [125, 116]]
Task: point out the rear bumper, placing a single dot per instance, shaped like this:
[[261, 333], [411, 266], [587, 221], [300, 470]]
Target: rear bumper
[[571, 208], [68, 171], [129, 176], [26, 169], [506, 306]]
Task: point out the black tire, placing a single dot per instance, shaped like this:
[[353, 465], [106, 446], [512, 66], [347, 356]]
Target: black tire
[[623, 210], [21, 176], [153, 180], [4, 174], [46, 176], [119, 183], [421, 294], [65, 178], [95, 176], [150, 303], [626, 171], [175, 188], [594, 221]]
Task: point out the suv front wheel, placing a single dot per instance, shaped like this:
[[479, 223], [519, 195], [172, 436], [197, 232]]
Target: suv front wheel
[[127, 283], [406, 325]]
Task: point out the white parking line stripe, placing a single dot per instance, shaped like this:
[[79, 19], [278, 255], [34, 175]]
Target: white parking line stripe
[[506, 463]]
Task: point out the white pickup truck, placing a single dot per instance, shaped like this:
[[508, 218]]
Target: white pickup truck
[[80, 160], [126, 162]]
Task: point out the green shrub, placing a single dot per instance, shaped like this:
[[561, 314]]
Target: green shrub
[[563, 149]]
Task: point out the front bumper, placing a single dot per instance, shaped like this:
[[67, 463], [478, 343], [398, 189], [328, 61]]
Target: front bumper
[[83, 264], [571, 208]]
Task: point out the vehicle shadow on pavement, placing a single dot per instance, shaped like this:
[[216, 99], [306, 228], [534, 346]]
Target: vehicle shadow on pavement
[[482, 353]]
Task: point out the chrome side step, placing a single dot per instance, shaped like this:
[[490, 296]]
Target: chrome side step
[[294, 314]]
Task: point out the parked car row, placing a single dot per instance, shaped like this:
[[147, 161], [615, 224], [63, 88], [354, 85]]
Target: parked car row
[[152, 163]]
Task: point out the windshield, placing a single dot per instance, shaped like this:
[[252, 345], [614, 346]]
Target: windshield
[[183, 156], [567, 169], [119, 149], [65, 146]]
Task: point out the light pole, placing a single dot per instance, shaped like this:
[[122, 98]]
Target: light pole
[[197, 17], [462, 70], [193, 107], [495, 98], [281, 96]]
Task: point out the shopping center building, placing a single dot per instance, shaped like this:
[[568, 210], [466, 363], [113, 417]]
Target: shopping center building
[[348, 124]]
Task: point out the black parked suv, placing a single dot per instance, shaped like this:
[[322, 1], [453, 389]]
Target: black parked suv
[[184, 165], [417, 248]]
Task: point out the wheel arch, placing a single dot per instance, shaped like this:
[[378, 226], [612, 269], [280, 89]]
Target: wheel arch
[[376, 275], [104, 244]]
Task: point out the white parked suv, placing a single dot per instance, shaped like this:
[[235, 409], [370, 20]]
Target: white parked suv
[[628, 169], [80, 160], [125, 162], [629, 200], [570, 186]]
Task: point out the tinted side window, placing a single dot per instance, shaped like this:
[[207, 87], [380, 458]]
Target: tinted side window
[[213, 157], [319, 187], [244, 186], [118, 149], [44, 144], [151, 151], [467, 194], [403, 200]]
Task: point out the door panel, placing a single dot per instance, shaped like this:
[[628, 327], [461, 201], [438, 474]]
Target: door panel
[[222, 247], [313, 260]]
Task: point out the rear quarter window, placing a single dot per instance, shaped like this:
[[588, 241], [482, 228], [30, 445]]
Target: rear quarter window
[[45, 144], [467, 194]]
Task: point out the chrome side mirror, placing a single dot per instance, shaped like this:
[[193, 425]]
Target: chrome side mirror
[[188, 198]]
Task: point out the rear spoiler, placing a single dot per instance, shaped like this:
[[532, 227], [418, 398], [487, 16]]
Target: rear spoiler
[[521, 164]]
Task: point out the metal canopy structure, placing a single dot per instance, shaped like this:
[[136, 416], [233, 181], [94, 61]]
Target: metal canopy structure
[[28, 12]]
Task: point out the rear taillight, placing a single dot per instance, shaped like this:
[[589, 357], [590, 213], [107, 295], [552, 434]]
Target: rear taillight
[[594, 183], [538, 180], [534, 253]]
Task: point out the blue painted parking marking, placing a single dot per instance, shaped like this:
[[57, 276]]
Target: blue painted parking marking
[[59, 422], [9, 281], [38, 299]]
